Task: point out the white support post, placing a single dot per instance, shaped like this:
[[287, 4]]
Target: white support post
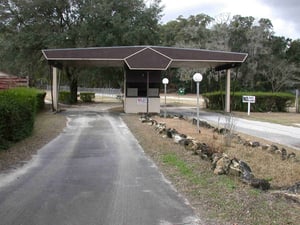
[[55, 88], [147, 93], [125, 91], [165, 111], [227, 97], [249, 106], [297, 101], [198, 106]]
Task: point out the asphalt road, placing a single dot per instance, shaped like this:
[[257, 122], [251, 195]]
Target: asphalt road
[[276, 133], [95, 172]]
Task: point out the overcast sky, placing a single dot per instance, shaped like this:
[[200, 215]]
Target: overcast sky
[[284, 14]]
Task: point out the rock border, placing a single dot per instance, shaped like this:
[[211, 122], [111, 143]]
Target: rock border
[[221, 164]]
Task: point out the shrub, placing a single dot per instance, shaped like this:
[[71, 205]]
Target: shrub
[[40, 104], [18, 108], [87, 96], [264, 102], [64, 97]]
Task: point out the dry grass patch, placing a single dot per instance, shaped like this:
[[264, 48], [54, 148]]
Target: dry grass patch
[[270, 166], [216, 199], [264, 164]]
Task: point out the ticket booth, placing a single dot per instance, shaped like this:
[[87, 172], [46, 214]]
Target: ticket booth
[[142, 91]]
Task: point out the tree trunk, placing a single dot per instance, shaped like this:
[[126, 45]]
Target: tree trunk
[[73, 83], [73, 90]]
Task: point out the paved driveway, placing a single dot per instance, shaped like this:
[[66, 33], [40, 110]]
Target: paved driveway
[[95, 172]]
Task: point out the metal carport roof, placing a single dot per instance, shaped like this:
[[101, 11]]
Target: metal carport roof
[[144, 57]]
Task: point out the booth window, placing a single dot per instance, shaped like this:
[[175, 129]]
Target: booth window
[[136, 83]]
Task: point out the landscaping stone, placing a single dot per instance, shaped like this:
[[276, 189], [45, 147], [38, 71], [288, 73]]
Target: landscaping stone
[[248, 177], [247, 143], [255, 144], [224, 131], [234, 168], [273, 148], [265, 146], [171, 132], [190, 146], [295, 188], [160, 127], [184, 141], [246, 172], [206, 151], [177, 138], [215, 158], [222, 165], [144, 118], [278, 152], [221, 131], [291, 155], [260, 184], [202, 123], [290, 193], [283, 154]]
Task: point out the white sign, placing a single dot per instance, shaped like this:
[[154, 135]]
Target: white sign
[[247, 99]]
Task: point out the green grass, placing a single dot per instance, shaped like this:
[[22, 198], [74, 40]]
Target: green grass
[[202, 179], [173, 160], [183, 168], [227, 182]]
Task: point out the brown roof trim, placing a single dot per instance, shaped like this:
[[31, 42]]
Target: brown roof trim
[[154, 60], [143, 57]]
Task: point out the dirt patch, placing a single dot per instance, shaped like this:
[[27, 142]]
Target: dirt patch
[[47, 126], [218, 199]]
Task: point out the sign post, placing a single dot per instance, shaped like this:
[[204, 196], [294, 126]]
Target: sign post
[[165, 81], [197, 77], [249, 100]]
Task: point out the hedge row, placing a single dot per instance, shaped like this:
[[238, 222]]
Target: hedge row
[[264, 102], [87, 96], [18, 108], [65, 97]]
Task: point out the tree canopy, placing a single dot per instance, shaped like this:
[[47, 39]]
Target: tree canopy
[[272, 64], [28, 26]]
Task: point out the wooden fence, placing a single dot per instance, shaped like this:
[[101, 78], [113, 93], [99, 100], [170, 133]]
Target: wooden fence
[[7, 82]]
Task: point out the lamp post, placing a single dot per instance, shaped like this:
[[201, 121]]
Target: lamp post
[[197, 78], [165, 81]]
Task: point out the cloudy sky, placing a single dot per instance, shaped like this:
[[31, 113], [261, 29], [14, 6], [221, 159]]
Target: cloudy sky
[[284, 14]]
